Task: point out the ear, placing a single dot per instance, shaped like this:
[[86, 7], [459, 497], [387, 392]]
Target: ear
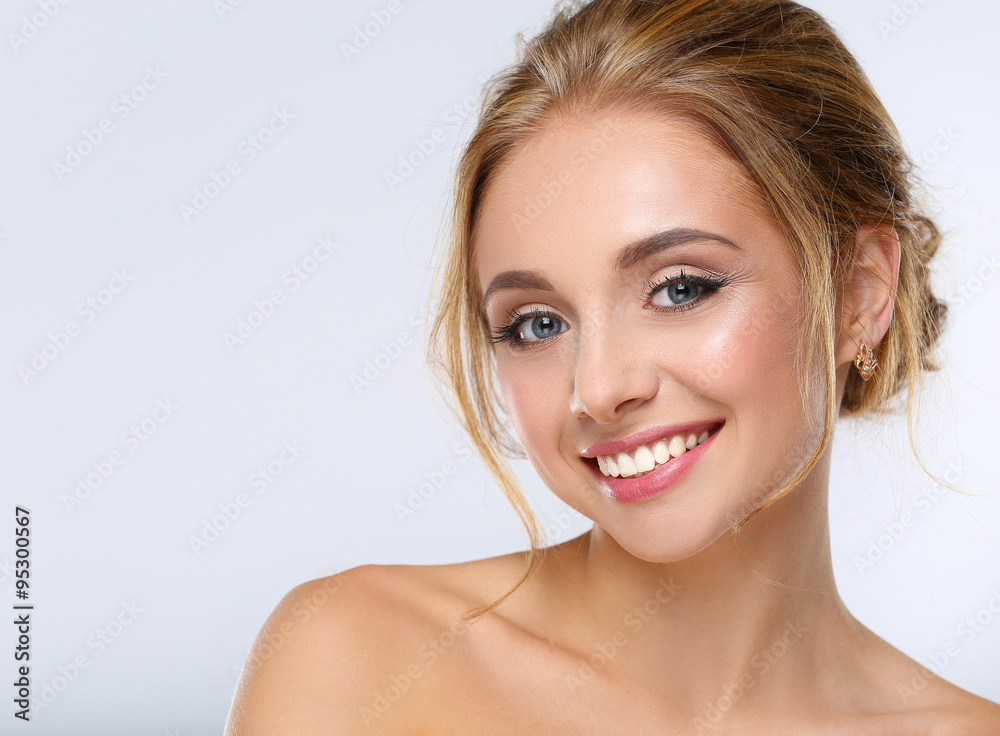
[[870, 291]]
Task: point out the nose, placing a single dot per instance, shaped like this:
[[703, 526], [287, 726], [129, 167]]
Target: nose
[[612, 375]]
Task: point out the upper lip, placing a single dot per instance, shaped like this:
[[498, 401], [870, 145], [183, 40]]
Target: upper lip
[[645, 437]]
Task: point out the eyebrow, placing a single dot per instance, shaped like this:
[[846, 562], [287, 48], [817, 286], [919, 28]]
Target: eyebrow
[[628, 257]]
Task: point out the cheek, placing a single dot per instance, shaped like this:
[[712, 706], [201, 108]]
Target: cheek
[[535, 406], [747, 356], [747, 366]]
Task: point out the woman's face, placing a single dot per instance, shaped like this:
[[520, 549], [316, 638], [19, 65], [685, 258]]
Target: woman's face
[[642, 299]]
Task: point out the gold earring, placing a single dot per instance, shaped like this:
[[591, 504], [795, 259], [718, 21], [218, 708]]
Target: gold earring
[[865, 361]]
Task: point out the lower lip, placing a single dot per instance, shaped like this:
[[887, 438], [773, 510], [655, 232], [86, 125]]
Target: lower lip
[[662, 479]]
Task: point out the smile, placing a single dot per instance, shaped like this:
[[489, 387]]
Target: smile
[[648, 463], [647, 457]]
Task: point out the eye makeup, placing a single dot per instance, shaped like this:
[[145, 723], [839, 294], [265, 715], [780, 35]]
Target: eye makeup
[[524, 330]]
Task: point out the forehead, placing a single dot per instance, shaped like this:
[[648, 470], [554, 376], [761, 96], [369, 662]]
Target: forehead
[[593, 183]]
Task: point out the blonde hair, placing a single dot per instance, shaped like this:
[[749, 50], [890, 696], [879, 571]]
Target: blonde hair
[[773, 85]]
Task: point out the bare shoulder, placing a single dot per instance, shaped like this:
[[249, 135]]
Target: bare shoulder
[[918, 701], [961, 713], [336, 650]]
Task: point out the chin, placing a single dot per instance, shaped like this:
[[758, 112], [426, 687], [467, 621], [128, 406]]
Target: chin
[[680, 539]]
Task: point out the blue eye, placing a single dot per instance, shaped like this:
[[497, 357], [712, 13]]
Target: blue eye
[[524, 329], [682, 291], [539, 328]]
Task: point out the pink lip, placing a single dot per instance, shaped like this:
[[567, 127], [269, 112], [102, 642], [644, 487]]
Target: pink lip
[[645, 437], [660, 480]]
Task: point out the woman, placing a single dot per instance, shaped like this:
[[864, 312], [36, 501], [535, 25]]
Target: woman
[[685, 242]]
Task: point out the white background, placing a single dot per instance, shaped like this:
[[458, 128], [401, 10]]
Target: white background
[[62, 236]]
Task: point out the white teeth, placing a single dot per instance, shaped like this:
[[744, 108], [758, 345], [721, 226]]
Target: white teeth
[[676, 446], [644, 459], [626, 465]]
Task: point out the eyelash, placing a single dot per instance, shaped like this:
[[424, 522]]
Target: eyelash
[[508, 331], [710, 283]]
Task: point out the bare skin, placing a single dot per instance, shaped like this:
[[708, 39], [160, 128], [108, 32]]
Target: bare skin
[[651, 623]]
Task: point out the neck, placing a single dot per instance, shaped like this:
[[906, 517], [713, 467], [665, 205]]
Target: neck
[[697, 628]]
